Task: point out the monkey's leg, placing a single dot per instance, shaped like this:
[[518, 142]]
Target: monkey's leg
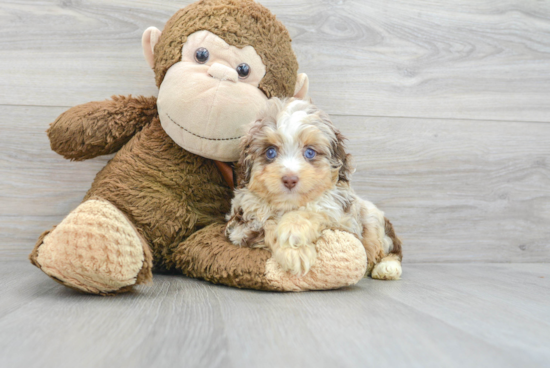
[[207, 254], [95, 249]]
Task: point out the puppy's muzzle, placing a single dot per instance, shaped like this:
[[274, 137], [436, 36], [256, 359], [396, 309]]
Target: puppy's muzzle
[[290, 181]]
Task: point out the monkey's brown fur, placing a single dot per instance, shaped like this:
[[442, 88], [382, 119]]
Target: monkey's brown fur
[[100, 128], [166, 192]]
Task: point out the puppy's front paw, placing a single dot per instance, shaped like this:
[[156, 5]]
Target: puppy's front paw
[[296, 260], [295, 243]]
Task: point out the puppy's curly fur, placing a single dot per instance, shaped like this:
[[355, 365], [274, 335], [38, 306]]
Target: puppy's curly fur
[[294, 182]]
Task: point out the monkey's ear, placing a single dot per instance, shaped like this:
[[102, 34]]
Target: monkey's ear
[[302, 87], [148, 41]]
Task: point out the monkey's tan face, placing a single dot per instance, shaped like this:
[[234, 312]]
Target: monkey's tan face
[[293, 161], [206, 100]]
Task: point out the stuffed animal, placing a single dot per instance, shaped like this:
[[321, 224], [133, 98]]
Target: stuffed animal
[[159, 204]]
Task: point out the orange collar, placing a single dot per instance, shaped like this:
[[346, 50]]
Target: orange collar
[[227, 173]]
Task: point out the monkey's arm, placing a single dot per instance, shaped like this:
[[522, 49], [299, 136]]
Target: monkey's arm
[[207, 254], [100, 128]]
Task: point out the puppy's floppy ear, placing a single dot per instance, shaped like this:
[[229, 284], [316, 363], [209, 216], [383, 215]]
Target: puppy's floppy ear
[[342, 158], [253, 142], [339, 158], [246, 159]]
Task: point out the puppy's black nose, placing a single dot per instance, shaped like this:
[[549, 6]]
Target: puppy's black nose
[[290, 181]]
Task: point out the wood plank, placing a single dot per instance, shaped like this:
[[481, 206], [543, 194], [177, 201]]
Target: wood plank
[[440, 59], [471, 60], [430, 318], [468, 302], [456, 191]]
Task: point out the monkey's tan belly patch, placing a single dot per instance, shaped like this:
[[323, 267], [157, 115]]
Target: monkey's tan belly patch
[[341, 261], [95, 249]]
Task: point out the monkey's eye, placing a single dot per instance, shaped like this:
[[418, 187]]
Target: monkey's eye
[[202, 55], [310, 153], [243, 70], [271, 153]]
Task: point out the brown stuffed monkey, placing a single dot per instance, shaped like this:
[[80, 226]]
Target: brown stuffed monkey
[[159, 204]]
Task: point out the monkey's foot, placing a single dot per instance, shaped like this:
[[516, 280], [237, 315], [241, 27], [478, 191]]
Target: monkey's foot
[[95, 249]]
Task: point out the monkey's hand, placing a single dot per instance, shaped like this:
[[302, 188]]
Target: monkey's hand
[[297, 233], [100, 128]]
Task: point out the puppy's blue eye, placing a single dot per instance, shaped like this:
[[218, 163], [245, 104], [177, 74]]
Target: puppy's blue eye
[[310, 154], [271, 153]]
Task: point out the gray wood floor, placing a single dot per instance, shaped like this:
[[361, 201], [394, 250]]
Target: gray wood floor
[[447, 107], [447, 315]]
